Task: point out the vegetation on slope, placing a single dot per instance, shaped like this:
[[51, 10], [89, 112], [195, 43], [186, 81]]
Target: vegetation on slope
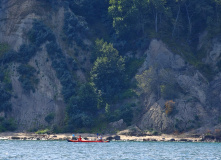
[[115, 27]]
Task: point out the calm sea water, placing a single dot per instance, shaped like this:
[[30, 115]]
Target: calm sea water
[[63, 150]]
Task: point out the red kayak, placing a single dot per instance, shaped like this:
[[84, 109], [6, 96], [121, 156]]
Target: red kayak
[[70, 140]]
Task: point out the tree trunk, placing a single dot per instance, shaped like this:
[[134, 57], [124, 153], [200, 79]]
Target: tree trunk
[[156, 27], [174, 27], [189, 21]]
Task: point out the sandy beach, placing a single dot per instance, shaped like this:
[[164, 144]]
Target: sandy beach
[[65, 136]]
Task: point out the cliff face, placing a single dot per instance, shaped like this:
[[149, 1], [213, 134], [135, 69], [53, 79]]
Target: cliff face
[[197, 106], [195, 101], [30, 110]]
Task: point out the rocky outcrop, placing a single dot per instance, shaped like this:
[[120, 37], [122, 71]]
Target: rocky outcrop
[[197, 101], [30, 109], [16, 19], [118, 125], [192, 107]]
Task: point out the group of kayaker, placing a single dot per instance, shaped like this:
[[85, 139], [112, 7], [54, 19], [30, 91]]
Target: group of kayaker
[[80, 139], [99, 138]]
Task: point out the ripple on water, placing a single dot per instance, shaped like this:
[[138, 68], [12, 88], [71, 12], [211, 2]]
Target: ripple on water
[[62, 150]]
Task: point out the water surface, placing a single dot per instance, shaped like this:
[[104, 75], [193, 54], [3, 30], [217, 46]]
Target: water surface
[[63, 150]]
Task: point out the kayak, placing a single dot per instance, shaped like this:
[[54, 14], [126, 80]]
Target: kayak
[[70, 140]]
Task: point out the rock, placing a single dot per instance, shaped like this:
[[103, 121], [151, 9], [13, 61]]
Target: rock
[[183, 140], [189, 140], [208, 137], [132, 131], [146, 139], [118, 125], [116, 138], [109, 138], [172, 140], [178, 63], [15, 138], [192, 104]]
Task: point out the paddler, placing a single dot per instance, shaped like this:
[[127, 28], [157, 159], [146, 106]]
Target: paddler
[[79, 139]]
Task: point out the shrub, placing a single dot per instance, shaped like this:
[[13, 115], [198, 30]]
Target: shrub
[[80, 120], [6, 106], [28, 78], [129, 93], [108, 72], [7, 125], [169, 107], [147, 82], [9, 56], [5, 90], [169, 91], [73, 26], [50, 117], [44, 131], [3, 48], [25, 53], [63, 74], [82, 108], [125, 112], [39, 34], [132, 65]]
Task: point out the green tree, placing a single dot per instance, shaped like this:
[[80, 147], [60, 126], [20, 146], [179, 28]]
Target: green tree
[[129, 17], [108, 72], [147, 82], [88, 99]]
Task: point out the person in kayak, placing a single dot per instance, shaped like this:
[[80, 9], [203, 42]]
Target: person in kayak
[[80, 138], [100, 138]]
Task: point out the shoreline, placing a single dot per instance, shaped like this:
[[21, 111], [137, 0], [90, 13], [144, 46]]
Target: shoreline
[[111, 137]]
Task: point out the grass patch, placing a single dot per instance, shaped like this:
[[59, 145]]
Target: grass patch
[[44, 131], [4, 47]]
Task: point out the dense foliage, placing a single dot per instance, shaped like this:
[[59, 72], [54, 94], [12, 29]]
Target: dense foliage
[[108, 73], [28, 78], [7, 125], [6, 93], [5, 82], [180, 19]]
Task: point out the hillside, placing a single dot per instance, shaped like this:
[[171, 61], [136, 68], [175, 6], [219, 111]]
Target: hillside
[[106, 66]]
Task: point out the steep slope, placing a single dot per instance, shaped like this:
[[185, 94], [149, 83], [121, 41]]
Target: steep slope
[[47, 58], [192, 102], [30, 110]]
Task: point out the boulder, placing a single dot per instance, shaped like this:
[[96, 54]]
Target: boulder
[[132, 131], [15, 138], [117, 125], [109, 138], [208, 137], [117, 138], [172, 140], [183, 140]]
